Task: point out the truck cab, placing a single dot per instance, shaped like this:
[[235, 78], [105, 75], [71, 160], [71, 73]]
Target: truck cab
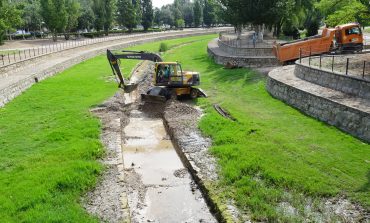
[[349, 37]]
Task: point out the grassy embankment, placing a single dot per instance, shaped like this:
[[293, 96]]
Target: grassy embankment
[[273, 153], [49, 143], [10, 52]]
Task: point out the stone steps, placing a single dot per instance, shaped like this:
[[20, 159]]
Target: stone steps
[[347, 112]]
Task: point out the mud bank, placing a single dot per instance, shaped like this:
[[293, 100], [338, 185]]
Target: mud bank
[[181, 121], [108, 200]]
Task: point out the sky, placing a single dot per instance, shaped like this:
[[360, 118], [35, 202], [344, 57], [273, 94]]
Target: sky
[[160, 3]]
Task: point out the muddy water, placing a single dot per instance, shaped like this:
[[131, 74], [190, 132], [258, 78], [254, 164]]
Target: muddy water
[[160, 188]]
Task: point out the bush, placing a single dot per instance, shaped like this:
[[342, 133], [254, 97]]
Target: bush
[[163, 47], [290, 30], [21, 36], [180, 23]]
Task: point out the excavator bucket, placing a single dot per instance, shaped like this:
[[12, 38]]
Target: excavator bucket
[[147, 98], [128, 88], [156, 95], [202, 93]]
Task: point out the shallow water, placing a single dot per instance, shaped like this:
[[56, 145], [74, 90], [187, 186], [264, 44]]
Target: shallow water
[[168, 196]]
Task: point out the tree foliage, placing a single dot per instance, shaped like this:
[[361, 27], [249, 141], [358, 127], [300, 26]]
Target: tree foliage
[[126, 14], [147, 10], [344, 11], [32, 15], [54, 13], [197, 13], [73, 13], [87, 17], [209, 13], [10, 18]]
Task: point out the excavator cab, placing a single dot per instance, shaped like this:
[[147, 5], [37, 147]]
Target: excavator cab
[[170, 74]]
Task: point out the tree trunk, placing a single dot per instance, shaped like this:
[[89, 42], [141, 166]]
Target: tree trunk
[[238, 32], [261, 32], [55, 36]]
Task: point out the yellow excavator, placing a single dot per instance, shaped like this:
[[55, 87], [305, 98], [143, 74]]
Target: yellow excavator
[[168, 78]]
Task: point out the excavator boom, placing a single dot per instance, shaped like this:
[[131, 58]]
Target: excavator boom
[[131, 55]]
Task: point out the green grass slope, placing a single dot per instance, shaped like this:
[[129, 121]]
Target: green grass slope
[[273, 153], [49, 142]]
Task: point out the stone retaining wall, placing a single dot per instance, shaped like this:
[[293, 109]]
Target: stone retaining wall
[[12, 91], [351, 120], [245, 51], [347, 84], [242, 61]]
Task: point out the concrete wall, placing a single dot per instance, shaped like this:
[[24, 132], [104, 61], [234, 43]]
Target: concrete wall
[[245, 51], [12, 91], [346, 84], [351, 120]]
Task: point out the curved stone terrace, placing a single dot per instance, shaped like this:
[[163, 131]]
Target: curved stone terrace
[[243, 52]]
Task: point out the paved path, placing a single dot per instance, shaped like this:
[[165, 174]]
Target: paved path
[[16, 77]]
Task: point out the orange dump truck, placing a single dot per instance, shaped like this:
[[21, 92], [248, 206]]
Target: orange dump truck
[[346, 37]]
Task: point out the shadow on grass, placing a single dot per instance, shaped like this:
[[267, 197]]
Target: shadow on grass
[[366, 186]]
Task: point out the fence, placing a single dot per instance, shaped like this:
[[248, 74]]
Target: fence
[[245, 42], [7, 57], [357, 65]]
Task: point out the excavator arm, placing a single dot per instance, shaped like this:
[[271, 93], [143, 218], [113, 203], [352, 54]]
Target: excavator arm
[[131, 55]]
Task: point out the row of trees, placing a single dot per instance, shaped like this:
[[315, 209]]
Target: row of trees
[[283, 16], [66, 16], [290, 15], [184, 13]]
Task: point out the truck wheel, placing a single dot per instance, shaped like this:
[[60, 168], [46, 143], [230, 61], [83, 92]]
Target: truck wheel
[[193, 93]]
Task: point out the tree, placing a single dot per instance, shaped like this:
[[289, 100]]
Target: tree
[[147, 11], [126, 14], [208, 13], [10, 17], [157, 17], [176, 12], [188, 14], [343, 11], [109, 8], [99, 11], [167, 16], [87, 17], [54, 13], [197, 13], [312, 22], [32, 15], [73, 9], [180, 23]]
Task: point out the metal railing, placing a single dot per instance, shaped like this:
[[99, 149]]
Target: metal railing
[[245, 42], [345, 63], [7, 57]]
